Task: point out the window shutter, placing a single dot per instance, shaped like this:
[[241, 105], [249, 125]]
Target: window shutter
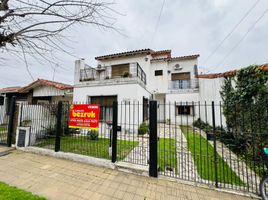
[[119, 70], [180, 76]]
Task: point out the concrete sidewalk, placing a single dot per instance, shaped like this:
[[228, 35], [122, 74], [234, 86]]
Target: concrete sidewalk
[[55, 178]]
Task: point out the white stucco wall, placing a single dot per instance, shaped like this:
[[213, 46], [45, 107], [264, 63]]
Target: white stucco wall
[[173, 100], [123, 92], [209, 90], [129, 97], [145, 65], [133, 92], [160, 84], [155, 84]]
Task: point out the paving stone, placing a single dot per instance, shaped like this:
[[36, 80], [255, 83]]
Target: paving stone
[[63, 179]]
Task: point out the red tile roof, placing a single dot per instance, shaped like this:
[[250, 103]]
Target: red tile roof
[[147, 52], [10, 90], [161, 52], [230, 73], [176, 58], [43, 82], [38, 82], [127, 53]]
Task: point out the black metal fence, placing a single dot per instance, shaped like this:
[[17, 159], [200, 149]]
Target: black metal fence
[[42, 120], [7, 122], [3, 125], [198, 143], [193, 141]]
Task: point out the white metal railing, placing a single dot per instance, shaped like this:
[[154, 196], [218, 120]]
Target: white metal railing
[[183, 84], [96, 77]]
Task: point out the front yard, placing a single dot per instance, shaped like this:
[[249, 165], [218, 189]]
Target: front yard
[[3, 129], [95, 148], [203, 155], [12, 193], [167, 155]]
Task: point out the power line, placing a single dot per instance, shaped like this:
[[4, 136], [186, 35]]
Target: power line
[[157, 23], [231, 32], [241, 40]]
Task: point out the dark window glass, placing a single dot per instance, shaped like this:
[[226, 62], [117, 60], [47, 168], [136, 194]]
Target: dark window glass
[[195, 70], [158, 72], [185, 110]]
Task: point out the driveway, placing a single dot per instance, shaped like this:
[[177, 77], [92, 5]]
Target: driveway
[[56, 178]]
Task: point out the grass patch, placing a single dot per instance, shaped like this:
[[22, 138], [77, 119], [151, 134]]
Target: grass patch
[[95, 148], [3, 134], [3, 129], [10, 193], [203, 155], [167, 155]]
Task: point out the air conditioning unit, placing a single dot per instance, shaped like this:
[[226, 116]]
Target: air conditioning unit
[[22, 136], [177, 67], [100, 68]]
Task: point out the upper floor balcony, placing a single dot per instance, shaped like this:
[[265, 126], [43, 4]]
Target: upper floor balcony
[[115, 74], [183, 85]]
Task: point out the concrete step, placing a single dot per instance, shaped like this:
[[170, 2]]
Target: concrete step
[[132, 168], [5, 150]]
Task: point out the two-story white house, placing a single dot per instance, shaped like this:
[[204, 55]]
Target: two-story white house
[[137, 76]]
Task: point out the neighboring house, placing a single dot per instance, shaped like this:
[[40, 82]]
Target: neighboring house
[[137, 76], [210, 90], [39, 91]]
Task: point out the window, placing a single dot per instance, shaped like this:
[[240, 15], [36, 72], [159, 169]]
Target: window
[[2, 99], [195, 70], [106, 101], [42, 102], [158, 72], [184, 110], [180, 76], [120, 70]]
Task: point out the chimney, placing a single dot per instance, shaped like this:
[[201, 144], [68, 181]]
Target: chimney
[[79, 64]]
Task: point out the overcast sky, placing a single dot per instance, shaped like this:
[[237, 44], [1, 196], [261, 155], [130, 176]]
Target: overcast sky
[[185, 26]]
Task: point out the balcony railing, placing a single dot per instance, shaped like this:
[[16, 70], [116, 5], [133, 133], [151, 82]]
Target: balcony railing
[[95, 76], [183, 84]]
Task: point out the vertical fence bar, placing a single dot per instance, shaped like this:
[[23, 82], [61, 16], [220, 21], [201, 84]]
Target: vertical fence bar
[[114, 138], [58, 127], [153, 139], [11, 121], [215, 145]]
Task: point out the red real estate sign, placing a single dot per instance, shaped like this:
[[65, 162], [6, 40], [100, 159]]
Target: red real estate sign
[[84, 116]]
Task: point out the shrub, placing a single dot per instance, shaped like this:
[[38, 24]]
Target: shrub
[[126, 74], [93, 135], [26, 122], [202, 125], [143, 129], [49, 131]]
